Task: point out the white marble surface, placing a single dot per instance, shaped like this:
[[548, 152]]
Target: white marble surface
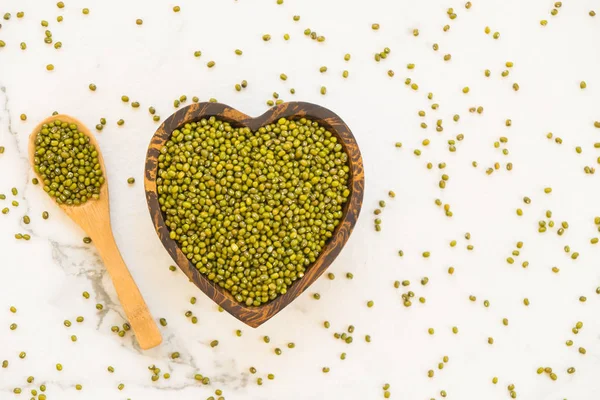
[[154, 64]]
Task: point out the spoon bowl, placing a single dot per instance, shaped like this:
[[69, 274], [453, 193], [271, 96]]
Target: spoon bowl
[[93, 217]]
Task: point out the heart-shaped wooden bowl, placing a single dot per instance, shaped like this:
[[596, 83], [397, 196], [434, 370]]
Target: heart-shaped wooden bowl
[[254, 316]]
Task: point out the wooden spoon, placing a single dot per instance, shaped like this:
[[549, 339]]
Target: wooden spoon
[[94, 217]]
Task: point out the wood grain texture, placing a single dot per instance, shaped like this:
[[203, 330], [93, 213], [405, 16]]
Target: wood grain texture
[[94, 218], [254, 316]]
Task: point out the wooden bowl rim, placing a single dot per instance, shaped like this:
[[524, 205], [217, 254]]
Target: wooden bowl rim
[[254, 316]]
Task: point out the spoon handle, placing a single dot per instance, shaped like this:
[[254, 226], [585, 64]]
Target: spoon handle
[[136, 310]]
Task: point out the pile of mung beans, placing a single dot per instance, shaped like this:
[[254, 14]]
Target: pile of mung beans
[[252, 210], [67, 163]]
